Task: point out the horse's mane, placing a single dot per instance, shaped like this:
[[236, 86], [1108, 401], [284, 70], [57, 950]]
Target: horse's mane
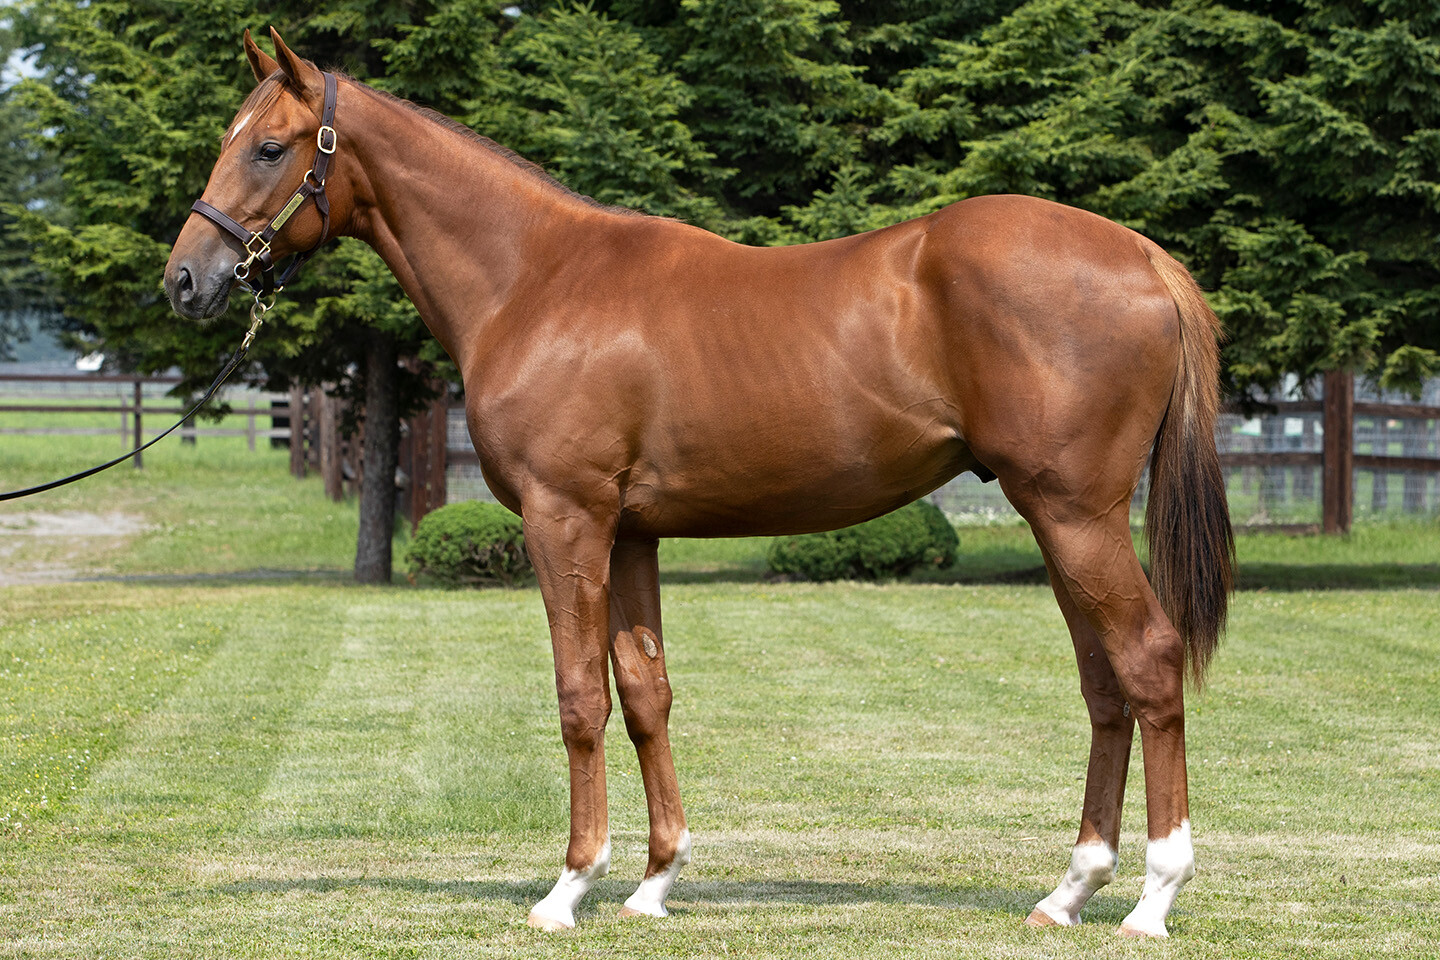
[[269, 90], [528, 166]]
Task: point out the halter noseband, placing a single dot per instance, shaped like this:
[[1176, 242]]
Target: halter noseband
[[257, 243]]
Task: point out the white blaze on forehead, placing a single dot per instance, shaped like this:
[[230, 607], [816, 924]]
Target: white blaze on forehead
[[240, 126]]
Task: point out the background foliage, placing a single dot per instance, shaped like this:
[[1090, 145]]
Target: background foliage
[[917, 536], [1286, 152]]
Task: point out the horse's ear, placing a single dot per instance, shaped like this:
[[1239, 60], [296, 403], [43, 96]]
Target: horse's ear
[[303, 75], [261, 63]]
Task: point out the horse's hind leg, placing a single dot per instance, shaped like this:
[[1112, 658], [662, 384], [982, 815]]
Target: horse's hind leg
[[1112, 730], [1094, 556], [638, 654]]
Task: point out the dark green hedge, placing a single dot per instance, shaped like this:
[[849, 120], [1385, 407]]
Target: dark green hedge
[[470, 544], [915, 536]]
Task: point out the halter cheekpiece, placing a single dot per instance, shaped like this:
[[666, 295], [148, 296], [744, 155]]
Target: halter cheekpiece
[[257, 243]]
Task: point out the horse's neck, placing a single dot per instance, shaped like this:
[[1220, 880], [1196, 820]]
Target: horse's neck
[[455, 221]]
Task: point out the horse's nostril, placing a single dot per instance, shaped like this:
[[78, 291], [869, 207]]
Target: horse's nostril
[[184, 286]]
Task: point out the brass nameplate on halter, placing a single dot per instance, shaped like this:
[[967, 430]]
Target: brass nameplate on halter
[[284, 214]]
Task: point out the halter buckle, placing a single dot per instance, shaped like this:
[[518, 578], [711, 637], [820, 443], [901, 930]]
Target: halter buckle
[[320, 139], [257, 251]]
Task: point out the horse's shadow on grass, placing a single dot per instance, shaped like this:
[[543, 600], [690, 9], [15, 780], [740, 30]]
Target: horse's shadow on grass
[[751, 894]]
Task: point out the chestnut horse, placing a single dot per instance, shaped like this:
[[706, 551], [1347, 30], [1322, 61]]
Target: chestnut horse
[[629, 378]]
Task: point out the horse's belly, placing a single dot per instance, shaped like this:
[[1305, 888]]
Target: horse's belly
[[797, 488]]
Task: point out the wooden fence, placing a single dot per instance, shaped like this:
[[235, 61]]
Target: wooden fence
[[428, 456], [309, 422], [132, 406], [1337, 459]]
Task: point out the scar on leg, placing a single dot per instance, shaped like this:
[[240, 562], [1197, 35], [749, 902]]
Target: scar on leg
[[647, 640]]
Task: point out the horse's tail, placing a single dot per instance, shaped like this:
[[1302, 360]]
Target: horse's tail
[[1187, 521]]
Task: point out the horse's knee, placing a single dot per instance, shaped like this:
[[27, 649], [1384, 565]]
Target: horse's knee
[[1109, 711], [583, 719], [645, 697], [645, 703]]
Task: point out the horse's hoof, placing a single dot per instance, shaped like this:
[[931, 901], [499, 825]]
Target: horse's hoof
[[1128, 931], [631, 912], [548, 924], [1039, 918]]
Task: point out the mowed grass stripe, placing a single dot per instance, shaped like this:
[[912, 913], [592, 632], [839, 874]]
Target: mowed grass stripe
[[1338, 688], [427, 720], [894, 685], [82, 672], [194, 763]]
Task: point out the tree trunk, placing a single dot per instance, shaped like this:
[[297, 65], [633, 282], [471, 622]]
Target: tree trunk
[[382, 447]]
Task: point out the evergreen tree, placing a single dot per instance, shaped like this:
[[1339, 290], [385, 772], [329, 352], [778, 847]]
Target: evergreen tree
[[134, 97], [590, 97], [29, 179]]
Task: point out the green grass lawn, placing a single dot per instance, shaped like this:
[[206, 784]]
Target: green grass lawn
[[321, 770], [231, 767]]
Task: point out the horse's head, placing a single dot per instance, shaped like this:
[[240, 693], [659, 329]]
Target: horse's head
[[265, 156]]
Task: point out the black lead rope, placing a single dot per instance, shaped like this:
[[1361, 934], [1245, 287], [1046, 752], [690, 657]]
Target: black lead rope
[[256, 314]]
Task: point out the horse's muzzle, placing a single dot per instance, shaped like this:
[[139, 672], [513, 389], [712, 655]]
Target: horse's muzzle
[[198, 294]]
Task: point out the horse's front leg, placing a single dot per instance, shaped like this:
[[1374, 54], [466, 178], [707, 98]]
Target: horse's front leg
[[638, 653], [570, 548]]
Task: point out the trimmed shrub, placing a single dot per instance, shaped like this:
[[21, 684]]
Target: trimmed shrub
[[917, 535], [470, 544]]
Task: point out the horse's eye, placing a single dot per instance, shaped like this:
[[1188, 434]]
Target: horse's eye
[[270, 152]]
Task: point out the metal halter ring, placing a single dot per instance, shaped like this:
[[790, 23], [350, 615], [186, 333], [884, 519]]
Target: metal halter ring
[[259, 308]]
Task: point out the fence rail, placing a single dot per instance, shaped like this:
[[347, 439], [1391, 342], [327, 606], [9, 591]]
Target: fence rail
[[437, 464], [133, 409], [1330, 428]]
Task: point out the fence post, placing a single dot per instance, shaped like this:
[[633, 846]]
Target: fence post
[[329, 429], [439, 445], [1339, 492], [297, 433], [139, 399], [414, 459], [250, 421]]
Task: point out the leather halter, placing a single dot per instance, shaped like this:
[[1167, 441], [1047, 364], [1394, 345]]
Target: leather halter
[[257, 243]]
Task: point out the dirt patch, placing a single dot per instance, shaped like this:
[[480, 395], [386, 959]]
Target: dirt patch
[[64, 537], [71, 523]]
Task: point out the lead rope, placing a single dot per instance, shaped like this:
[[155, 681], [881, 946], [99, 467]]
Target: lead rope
[[257, 314]]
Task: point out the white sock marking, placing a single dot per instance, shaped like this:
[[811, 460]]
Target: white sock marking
[[1169, 863], [1092, 865], [649, 897], [560, 903]]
